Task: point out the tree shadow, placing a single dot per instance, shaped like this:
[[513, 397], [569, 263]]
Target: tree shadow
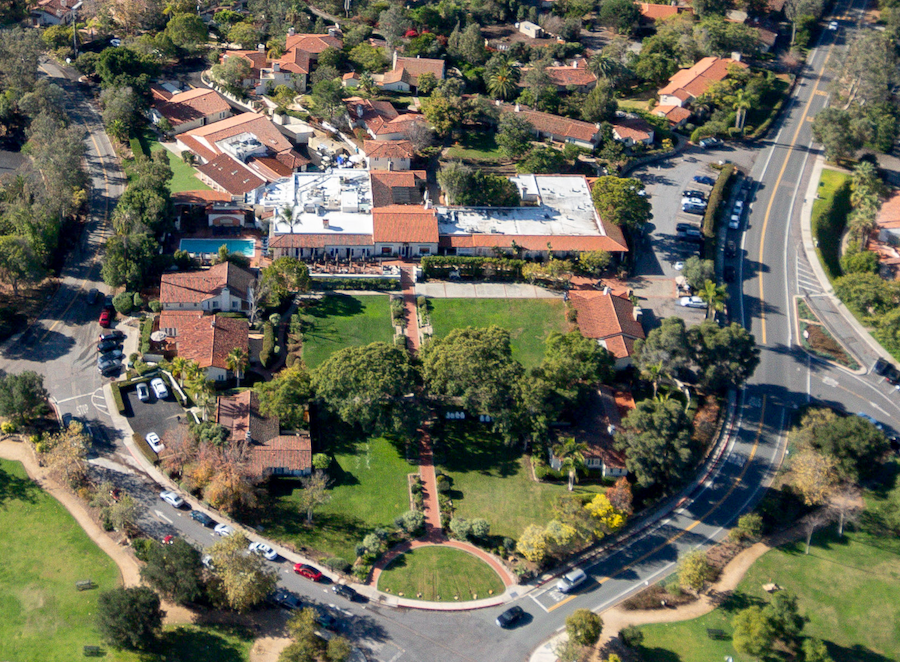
[[466, 447], [856, 653], [336, 305], [659, 655], [15, 488], [190, 645], [39, 344]]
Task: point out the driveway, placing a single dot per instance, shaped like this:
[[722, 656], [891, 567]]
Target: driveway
[[156, 415]]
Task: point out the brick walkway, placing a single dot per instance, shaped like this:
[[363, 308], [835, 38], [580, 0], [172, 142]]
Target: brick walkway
[[408, 286]]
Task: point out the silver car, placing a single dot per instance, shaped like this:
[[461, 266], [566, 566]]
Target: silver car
[[172, 499], [159, 388], [692, 302]]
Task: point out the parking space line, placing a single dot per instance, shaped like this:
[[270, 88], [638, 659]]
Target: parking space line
[[561, 603], [538, 603]]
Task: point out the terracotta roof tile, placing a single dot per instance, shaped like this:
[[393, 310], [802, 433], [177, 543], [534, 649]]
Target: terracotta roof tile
[[192, 105], [415, 67], [295, 61], [390, 187], [404, 223], [312, 43], [320, 240], [206, 339], [200, 197], [554, 124], [203, 139], [388, 149], [635, 128], [268, 167], [198, 286], [653, 12], [695, 80], [240, 415], [889, 214], [607, 317], [573, 74], [233, 176], [615, 243], [675, 114], [290, 452]]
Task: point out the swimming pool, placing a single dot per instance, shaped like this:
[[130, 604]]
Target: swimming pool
[[243, 246]]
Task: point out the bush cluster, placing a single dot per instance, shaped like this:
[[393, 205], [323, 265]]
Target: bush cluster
[[268, 345], [469, 267], [375, 284]]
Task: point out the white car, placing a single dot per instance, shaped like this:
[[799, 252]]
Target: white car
[[833, 26], [739, 205], [692, 302], [223, 530], [172, 499], [154, 442], [159, 388], [678, 266], [263, 550], [697, 202], [735, 222], [143, 392]]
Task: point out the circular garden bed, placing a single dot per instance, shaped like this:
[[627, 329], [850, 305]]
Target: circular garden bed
[[440, 574]]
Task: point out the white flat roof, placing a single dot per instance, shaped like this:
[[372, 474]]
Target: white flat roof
[[340, 198], [564, 207]]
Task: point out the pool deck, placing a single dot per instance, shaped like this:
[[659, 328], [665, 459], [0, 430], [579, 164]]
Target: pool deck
[[246, 234]]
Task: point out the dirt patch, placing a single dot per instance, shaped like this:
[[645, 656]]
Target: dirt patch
[[706, 420]]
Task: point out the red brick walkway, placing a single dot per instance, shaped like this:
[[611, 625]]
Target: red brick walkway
[[408, 285]]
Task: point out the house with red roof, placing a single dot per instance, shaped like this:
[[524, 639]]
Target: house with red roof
[[405, 72], [223, 288], [557, 128], [573, 77], [651, 13], [271, 451], [631, 130], [54, 12], [404, 230], [205, 339], [676, 115], [599, 419], [388, 154], [380, 119], [392, 187], [688, 84], [191, 109], [610, 319]]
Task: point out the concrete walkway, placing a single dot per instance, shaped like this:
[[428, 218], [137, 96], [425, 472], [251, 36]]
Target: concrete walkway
[[455, 290]]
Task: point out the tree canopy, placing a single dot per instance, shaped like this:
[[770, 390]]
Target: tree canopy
[[618, 201], [129, 618], [656, 438]]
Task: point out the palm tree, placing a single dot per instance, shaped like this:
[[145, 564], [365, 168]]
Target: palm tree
[[603, 66], [179, 368], [237, 361], [204, 395], [287, 216], [861, 223], [654, 374], [571, 454], [714, 296], [504, 81], [741, 101]]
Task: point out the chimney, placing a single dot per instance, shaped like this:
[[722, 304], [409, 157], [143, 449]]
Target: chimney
[[735, 56], [574, 64], [212, 322], [518, 109], [291, 32], [261, 48], [325, 224], [638, 314], [606, 289], [394, 61], [276, 66]]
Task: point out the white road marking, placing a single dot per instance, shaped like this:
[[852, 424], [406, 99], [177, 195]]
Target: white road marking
[[162, 517], [830, 381]]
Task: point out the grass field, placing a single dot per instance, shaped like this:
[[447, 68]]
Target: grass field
[[184, 177], [346, 321], [529, 321], [208, 643], [848, 588], [440, 573], [44, 553], [829, 215], [476, 146], [493, 481], [369, 490]]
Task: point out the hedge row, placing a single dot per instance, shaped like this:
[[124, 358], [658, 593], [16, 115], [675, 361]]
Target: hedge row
[[117, 397], [145, 449], [146, 330], [828, 228], [377, 284], [501, 268], [716, 198], [268, 345]]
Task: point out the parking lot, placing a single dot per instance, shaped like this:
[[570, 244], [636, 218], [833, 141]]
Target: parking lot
[[155, 415]]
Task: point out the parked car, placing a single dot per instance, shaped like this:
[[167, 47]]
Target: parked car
[[154, 442], [104, 364], [326, 619], [223, 530], [92, 296], [307, 571], [108, 345], [693, 238], [203, 518], [111, 369], [702, 179], [833, 25], [693, 209], [692, 302], [892, 376], [730, 248], [108, 301], [283, 598], [709, 143], [570, 581], [112, 354], [159, 388], [729, 274], [143, 392], [510, 617], [112, 335], [105, 318], [172, 499], [739, 205], [871, 420], [344, 591], [696, 202], [734, 223], [693, 194], [686, 227], [263, 550]]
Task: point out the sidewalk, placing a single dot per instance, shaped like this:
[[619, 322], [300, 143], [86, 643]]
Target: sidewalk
[[829, 309]]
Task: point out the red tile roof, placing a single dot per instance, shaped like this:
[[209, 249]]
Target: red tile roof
[[320, 240], [289, 452], [635, 128], [392, 187], [192, 105], [573, 74], [694, 81], [653, 12], [295, 61], [270, 168], [554, 124], [203, 140], [675, 114], [200, 197], [889, 214], [404, 224], [231, 175], [388, 149], [258, 61], [239, 414], [198, 286], [55, 7], [312, 43], [206, 339], [409, 69], [565, 244], [603, 408], [609, 318]]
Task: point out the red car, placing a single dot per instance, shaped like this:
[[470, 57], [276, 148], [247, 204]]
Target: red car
[[105, 318], [307, 571]]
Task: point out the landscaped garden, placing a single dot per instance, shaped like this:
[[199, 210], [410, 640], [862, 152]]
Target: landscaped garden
[[184, 176], [493, 481], [848, 588], [476, 146], [529, 321], [440, 573], [369, 490], [342, 321]]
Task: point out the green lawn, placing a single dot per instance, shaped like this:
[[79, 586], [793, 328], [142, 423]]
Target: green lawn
[[849, 590], [207, 643], [369, 490], [346, 321], [529, 321], [476, 146], [440, 573], [184, 177], [829, 215], [44, 553], [493, 481]]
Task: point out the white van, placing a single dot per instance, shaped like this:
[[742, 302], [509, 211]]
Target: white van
[[570, 580]]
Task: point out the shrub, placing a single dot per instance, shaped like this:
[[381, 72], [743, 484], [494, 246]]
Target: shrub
[[443, 484], [361, 571], [136, 148], [461, 528], [117, 397], [146, 330], [123, 302], [470, 267], [142, 547], [8, 427], [481, 528], [421, 301], [275, 319], [268, 344], [155, 306], [337, 564], [374, 284], [631, 636], [716, 197], [410, 521], [138, 301]]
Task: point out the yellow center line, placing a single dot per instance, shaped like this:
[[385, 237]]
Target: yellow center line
[[695, 523], [762, 239]]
